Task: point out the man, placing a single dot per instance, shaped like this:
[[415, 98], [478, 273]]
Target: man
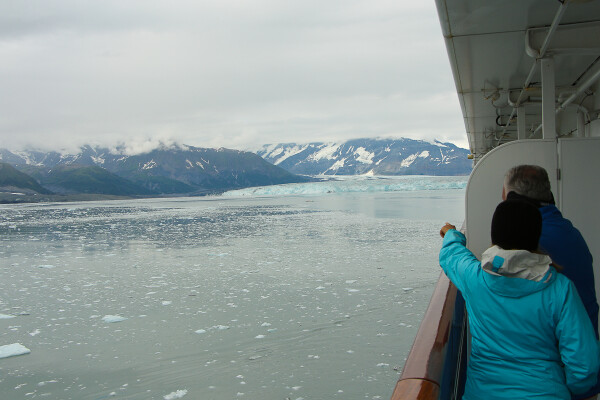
[[560, 239]]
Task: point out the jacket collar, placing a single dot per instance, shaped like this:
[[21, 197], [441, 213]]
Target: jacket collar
[[537, 203], [501, 267], [515, 263]]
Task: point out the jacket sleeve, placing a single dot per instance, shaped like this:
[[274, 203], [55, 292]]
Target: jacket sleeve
[[579, 348], [456, 260]]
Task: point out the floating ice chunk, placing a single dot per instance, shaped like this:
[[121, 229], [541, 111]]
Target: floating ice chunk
[[113, 318], [266, 324], [200, 331], [6, 316], [352, 290], [351, 281], [221, 327], [11, 350], [44, 383], [320, 288], [166, 302], [259, 337], [406, 289], [175, 395], [34, 333], [46, 266], [383, 365]]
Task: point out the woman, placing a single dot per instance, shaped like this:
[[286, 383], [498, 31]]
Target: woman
[[531, 336]]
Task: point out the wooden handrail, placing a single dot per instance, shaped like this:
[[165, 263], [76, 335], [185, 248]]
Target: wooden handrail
[[422, 374]]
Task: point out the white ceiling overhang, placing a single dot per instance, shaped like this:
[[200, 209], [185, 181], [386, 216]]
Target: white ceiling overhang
[[494, 46]]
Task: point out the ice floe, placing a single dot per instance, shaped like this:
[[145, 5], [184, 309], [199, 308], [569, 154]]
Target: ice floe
[[6, 316], [113, 318], [11, 350], [175, 395]]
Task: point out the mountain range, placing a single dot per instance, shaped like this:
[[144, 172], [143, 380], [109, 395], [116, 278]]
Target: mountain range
[[187, 170], [370, 156], [166, 171]]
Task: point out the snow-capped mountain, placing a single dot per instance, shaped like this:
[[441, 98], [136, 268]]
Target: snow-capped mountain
[[370, 156], [182, 169]]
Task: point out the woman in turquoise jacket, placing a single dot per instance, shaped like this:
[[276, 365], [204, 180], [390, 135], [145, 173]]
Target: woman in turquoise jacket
[[531, 336]]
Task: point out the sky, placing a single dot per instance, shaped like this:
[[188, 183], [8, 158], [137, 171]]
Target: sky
[[222, 73]]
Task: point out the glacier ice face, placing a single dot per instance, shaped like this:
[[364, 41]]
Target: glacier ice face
[[363, 183]]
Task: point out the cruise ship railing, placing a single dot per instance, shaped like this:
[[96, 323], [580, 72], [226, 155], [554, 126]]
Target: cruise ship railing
[[436, 365]]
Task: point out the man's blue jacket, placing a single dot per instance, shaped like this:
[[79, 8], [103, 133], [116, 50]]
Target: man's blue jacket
[[567, 248]]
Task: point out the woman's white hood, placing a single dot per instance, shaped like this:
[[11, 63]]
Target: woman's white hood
[[515, 263]]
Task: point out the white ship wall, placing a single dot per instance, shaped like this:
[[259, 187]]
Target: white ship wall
[[577, 191]]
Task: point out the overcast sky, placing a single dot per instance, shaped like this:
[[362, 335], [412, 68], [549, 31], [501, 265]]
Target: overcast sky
[[212, 73]]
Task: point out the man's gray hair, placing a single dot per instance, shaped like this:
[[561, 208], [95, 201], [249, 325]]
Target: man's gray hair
[[529, 180]]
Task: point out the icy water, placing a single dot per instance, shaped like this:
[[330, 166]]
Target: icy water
[[291, 292]]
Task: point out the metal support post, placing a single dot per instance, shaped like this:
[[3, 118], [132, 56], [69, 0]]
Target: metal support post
[[521, 127], [548, 99]]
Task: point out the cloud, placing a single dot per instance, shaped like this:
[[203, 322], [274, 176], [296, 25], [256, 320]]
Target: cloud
[[222, 73]]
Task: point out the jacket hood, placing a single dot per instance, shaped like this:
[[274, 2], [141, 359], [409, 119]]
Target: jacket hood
[[528, 272]]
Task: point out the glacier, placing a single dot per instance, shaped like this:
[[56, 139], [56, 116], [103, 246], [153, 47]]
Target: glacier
[[353, 184]]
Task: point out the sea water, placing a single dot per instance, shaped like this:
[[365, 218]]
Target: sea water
[[306, 291]]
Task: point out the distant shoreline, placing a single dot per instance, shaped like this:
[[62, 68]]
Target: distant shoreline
[[27, 198]]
